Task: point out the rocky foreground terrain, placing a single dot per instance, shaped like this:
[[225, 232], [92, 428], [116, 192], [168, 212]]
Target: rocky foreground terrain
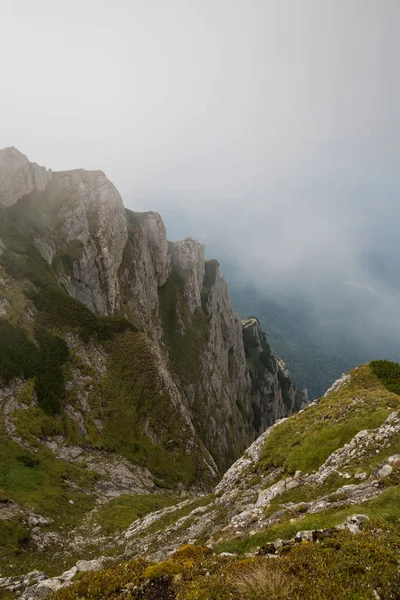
[[311, 510]]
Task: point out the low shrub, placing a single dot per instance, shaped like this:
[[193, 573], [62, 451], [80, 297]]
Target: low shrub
[[389, 373]]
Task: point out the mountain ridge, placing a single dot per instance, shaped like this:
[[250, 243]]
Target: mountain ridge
[[123, 367]]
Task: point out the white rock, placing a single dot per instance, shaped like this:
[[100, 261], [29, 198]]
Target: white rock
[[354, 523], [68, 575], [304, 536], [90, 565], [384, 471], [339, 383]]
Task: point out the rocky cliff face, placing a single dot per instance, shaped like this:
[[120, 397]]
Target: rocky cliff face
[[274, 393], [19, 177], [145, 267], [218, 374], [84, 235]]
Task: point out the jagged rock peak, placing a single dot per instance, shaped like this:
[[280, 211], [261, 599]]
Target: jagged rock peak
[[146, 266], [18, 176], [253, 332], [155, 233], [82, 214], [188, 260], [95, 216]]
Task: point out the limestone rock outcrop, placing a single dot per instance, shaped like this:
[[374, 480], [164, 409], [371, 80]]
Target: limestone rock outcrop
[[359, 473], [86, 236], [188, 261], [19, 177], [145, 267], [273, 389]]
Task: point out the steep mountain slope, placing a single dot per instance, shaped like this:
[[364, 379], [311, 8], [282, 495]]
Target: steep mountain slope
[[319, 492], [322, 323], [123, 367], [304, 472]]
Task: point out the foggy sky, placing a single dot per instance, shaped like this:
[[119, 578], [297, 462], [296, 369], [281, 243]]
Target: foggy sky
[[269, 126]]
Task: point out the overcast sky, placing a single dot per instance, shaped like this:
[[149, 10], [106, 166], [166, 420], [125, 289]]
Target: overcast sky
[[280, 118]]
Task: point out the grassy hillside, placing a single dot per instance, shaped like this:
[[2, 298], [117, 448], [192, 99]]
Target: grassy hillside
[[307, 440], [337, 458]]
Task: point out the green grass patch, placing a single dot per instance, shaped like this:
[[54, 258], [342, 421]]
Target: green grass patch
[[41, 481], [386, 506], [14, 537], [347, 566], [306, 440], [133, 400], [184, 348], [120, 512], [50, 487]]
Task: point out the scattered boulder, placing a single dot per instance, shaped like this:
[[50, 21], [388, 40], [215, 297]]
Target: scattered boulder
[[354, 523]]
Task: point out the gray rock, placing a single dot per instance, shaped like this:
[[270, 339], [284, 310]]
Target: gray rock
[[4, 304], [146, 268], [19, 177], [383, 471], [354, 523], [90, 565], [93, 218], [304, 536], [339, 383], [38, 520], [188, 261]]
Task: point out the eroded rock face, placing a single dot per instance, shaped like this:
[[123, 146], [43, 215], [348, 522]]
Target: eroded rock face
[[273, 391], [87, 235], [184, 304], [223, 390], [146, 266], [19, 177], [188, 260], [83, 229]]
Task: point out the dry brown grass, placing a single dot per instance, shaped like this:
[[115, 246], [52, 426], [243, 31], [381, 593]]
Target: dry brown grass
[[264, 580]]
